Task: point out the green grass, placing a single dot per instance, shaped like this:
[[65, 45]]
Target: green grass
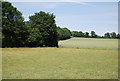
[[59, 63], [0, 64], [93, 43], [81, 58]]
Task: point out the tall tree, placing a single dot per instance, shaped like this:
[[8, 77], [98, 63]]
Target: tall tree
[[81, 34], [93, 34], [45, 23], [86, 34], [34, 36], [113, 35], [66, 33], [13, 29], [118, 35], [107, 35], [63, 33], [0, 24]]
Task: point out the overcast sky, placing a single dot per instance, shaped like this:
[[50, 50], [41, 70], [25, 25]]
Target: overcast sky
[[101, 17]]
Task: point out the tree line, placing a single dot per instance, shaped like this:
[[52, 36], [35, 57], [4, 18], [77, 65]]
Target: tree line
[[94, 35], [41, 29]]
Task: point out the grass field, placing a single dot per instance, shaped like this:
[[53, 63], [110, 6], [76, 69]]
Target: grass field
[[0, 64], [93, 43], [61, 63]]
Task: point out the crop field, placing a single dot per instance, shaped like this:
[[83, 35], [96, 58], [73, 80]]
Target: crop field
[[80, 60]]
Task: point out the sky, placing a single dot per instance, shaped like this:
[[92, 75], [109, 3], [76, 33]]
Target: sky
[[100, 17]]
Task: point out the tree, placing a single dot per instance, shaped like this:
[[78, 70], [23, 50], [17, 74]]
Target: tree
[[63, 33], [113, 35], [66, 33], [33, 36], [81, 34], [77, 34], [118, 35], [45, 24], [86, 34], [107, 35], [13, 29], [0, 24], [93, 34]]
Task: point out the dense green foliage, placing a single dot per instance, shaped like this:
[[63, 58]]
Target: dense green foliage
[[94, 35], [82, 34], [77, 34], [111, 35], [107, 35], [43, 30], [40, 30], [0, 24], [13, 29], [63, 33]]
